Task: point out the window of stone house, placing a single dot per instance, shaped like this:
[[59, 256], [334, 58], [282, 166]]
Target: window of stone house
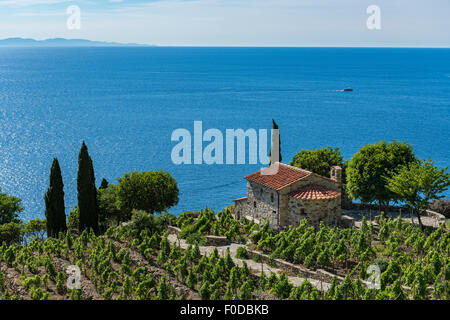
[[302, 211], [254, 204], [261, 191], [271, 197]]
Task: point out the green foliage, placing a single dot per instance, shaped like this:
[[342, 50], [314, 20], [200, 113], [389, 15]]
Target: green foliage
[[151, 191], [141, 220], [138, 264], [10, 232], [241, 253], [205, 291], [109, 213], [283, 287], [54, 202], [163, 289], [371, 166], [207, 223], [318, 160], [305, 291], [419, 183], [73, 220], [104, 184], [10, 206], [35, 228], [87, 192], [382, 263]]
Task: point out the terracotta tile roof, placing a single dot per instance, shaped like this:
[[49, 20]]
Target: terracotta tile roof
[[314, 192], [284, 176], [240, 199]]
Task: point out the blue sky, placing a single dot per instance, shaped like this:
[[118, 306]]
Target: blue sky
[[416, 23]]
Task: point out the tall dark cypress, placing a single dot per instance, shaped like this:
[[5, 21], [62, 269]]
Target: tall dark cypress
[[104, 184], [54, 202], [87, 192]]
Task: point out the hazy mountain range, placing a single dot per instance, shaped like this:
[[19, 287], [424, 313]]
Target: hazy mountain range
[[61, 42]]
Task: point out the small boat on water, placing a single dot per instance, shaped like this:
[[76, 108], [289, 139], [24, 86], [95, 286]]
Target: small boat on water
[[347, 89]]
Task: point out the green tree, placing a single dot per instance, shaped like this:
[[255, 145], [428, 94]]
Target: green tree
[[151, 191], [87, 192], [318, 160], [73, 220], [10, 232], [371, 166], [54, 202], [418, 184], [35, 228], [10, 206], [109, 213], [104, 184]]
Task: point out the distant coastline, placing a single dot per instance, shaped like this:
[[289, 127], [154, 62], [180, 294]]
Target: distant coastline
[[62, 42]]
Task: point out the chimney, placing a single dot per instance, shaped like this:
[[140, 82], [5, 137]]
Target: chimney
[[336, 173]]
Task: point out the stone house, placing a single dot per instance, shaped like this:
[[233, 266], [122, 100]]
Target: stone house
[[289, 194]]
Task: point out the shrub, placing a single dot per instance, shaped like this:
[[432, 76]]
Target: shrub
[[142, 220], [73, 221], [241, 253], [196, 238], [382, 263], [10, 233]]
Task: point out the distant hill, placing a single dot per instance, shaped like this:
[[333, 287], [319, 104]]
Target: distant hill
[[61, 42]]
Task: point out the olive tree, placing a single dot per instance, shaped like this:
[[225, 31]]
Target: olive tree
[[368, 170], [318, 160], [10, 206], [418, 184], [151, 191]]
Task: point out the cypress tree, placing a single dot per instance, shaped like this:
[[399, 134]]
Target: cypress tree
[[54, 202], [104, 184], [87, 192]]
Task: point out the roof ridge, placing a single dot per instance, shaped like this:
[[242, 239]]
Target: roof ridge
[[293, 167]]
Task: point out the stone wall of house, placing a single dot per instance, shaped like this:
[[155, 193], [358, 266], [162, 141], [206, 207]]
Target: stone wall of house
[[285, 216], [240, 208], [326, 210], [262, 203], [266, 204]]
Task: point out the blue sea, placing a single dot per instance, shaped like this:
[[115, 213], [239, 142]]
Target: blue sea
[[126, 102]]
